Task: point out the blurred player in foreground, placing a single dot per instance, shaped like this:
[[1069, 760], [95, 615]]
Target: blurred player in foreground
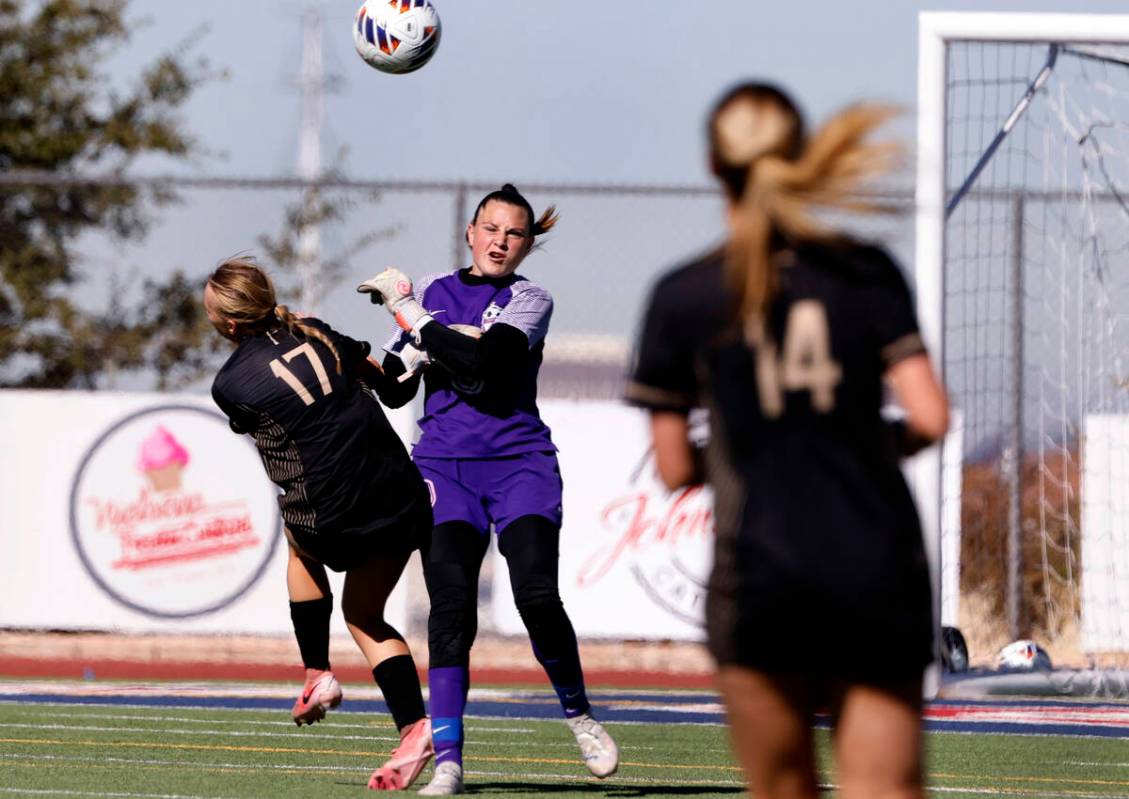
[[819, 595], [352, 500], [489, 460]]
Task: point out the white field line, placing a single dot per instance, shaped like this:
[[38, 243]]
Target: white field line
[[60, 792], [618, 783], [143, 761], [343, 711], [330, 732], [547, 777], [209, 733], [1038, 792], [287, 690], [1025, 734], [334, 723], [622, 782]]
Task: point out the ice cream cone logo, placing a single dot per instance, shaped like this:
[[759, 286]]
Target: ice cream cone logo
[[162, 460], [173, 542]]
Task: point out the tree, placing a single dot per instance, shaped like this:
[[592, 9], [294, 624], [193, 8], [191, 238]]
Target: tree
[[58, 115]]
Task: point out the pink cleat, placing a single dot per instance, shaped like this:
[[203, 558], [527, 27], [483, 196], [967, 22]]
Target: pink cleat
[[408, 759], [320, 693]]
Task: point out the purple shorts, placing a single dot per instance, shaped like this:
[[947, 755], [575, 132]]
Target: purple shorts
[[485, 491]]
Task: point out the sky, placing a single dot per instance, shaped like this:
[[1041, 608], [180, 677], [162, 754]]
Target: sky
[[527, 91], [538, 89]]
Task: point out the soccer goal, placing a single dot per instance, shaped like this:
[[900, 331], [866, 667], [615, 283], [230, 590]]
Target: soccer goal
[[1022, 276]]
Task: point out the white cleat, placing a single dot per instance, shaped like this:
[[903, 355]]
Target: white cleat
[[446, 781], [597, 748]]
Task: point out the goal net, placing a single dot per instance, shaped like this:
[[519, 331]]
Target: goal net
[[1027, 150]]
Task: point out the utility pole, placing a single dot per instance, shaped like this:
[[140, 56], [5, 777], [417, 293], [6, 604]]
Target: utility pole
[[311, 83]]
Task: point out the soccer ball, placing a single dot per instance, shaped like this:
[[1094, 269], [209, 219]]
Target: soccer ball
[[1024, 655], [396, 36]]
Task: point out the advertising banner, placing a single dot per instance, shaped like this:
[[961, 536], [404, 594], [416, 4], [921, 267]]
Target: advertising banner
[[138, 513], [634, 558], [1105, 533]]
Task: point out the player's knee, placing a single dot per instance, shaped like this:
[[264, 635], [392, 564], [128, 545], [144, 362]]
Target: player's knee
[[541, 610], [450, 635], [536, 593], [446, 578], [358, 614], [451, 626]]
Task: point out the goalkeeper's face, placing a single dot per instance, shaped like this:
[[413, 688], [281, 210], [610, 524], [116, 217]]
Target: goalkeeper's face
[[499, 239]]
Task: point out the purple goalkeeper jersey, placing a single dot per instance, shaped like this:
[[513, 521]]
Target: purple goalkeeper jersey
[[454, 423]]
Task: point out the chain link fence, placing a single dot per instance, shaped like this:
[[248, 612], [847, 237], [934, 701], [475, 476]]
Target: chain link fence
[[599, 262]]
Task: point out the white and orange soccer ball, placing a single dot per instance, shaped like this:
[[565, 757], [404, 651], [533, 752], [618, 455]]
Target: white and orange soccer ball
[[1024, 655], [396, 36]]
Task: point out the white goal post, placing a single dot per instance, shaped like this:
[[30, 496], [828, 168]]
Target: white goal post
[[1022, 281]]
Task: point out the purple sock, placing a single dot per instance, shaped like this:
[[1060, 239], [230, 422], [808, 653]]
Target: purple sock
[[448, 687]]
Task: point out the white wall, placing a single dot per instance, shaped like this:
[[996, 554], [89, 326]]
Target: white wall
[[634, 558], [1105, 534]]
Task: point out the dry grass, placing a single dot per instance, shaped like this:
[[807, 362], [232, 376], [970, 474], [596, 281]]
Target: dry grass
[[1050, 513]]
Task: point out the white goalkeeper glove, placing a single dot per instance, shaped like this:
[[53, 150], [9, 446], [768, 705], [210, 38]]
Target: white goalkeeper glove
[[393, 289], [467, 330], [414, 360]]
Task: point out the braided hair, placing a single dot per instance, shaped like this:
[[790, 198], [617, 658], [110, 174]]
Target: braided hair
[[246, 296]]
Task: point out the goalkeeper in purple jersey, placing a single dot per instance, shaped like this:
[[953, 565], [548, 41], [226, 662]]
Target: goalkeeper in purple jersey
[[475, 338]]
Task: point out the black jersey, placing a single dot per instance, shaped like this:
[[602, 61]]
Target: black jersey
[[322, 436], [816, 529]]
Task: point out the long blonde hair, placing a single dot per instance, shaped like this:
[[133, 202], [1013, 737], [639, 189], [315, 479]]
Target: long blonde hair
[[245, 295], [776, 177]]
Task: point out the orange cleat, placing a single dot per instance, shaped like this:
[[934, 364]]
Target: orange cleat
[[408, 759], [320, 693]]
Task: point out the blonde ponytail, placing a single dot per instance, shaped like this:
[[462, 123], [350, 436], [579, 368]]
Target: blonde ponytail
[[777, 180]]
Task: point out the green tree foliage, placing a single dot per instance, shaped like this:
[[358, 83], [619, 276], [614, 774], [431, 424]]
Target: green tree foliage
[[59, 115]]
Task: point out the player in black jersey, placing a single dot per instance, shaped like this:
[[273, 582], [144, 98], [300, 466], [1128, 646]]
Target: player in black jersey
[[819, 593], [351, 498]]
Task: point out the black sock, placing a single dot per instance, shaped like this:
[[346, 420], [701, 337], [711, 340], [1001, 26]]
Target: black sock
[[554, 646], [399, 683], [311, 628]]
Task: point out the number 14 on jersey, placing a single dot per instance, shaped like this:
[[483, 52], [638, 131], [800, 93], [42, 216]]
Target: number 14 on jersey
[[805, 362]]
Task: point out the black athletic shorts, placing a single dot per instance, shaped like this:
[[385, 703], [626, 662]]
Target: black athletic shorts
[[822, 634], [356, 542]]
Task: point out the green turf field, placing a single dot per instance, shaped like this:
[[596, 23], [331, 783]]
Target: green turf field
[[72, 750]]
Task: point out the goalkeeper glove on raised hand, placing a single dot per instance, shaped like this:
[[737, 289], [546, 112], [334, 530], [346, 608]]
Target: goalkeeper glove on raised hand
[[393, 289]]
